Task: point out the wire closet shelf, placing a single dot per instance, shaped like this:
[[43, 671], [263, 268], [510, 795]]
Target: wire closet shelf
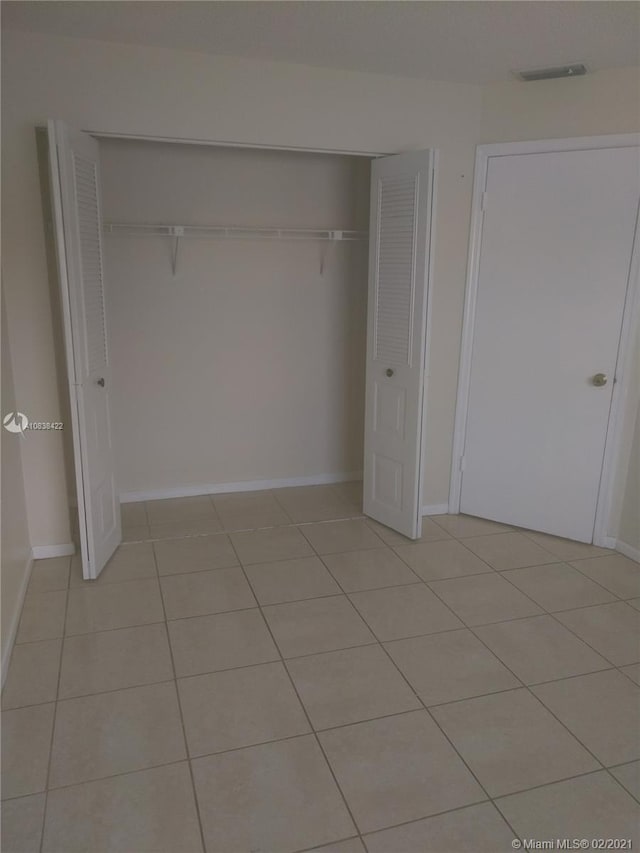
[[239, 232], [235, 232]]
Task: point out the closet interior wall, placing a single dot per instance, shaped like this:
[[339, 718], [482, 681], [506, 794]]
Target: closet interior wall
[[248, 364]]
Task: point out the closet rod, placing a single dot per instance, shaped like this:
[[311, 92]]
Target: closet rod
[[234, 231]]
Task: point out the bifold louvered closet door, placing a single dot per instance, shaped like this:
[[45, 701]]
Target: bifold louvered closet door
[[75, 183], [400, 246]]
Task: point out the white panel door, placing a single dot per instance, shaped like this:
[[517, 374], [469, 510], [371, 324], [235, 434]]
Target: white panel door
[[557, 238], [400, 238], [75, 179]]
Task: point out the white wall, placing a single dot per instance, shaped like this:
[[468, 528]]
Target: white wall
[[131, 89], [249, 364], [607, 102], [16, 547]]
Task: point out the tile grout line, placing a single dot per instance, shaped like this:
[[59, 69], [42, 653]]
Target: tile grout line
[[180, 711], [312, 730], [311, 655], [55, 713]]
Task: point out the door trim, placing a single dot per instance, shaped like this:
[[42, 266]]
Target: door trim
[[623, 397]]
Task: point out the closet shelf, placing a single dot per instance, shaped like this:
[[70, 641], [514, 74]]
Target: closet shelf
[[233, 231]]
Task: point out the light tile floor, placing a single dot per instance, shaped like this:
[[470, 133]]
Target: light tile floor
[[272, 672]]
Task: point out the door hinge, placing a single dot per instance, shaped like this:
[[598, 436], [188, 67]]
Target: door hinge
[[461, 464], [483, 202]]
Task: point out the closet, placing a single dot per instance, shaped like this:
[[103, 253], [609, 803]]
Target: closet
[[231, 324], [247, 364]]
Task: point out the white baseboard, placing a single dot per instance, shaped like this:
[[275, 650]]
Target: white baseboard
[[242, 486], [44, 552], [15, 621], [628, 550], [435, 509]]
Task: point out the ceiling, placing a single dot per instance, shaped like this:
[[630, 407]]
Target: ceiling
[[468, 42]]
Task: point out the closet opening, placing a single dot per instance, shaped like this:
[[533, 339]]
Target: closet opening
[[236, 312]]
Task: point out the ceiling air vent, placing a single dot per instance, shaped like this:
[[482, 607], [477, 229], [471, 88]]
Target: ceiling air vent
[[577, 69]]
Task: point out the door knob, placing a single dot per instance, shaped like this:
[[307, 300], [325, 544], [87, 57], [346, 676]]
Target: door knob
[[101, 382], [599, 379], [389, 371]]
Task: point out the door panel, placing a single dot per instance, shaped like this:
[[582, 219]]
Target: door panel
[[401, 199], [557, 237], [74, 160]]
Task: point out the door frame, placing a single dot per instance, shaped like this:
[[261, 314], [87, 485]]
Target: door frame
[[624, 395]]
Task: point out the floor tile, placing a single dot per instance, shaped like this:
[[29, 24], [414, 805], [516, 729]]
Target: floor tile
[[267, 546], [558, 586], [616, 573], [194, 554], [133, 514], [566, 549], [445, 667], [611, 629], [593, 806], [351, 845], [112, 660], [188, 527], [317, 503], [602, 710], [130, 562], [317, 625], [22, 824], [509, 551], [463, 526], [474, 829], [539, 649], [33, 674], [351, 491], [239, 707], [632, 672], [49, 575], [254, 519], [201, 593], [480, 599], [140, 533], [262, 499], [26, 739], [222, 641], [398, 769], [117, 732], [350, 685], [634, 602], [430, 533], [511, 742], [443, 559], [370, 569], [151, 811], [291, 580], [246, 510], [179, 509], [274, 797], [42, 617], [118, 605], [629, 776], [403, 611], [334, 537]]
